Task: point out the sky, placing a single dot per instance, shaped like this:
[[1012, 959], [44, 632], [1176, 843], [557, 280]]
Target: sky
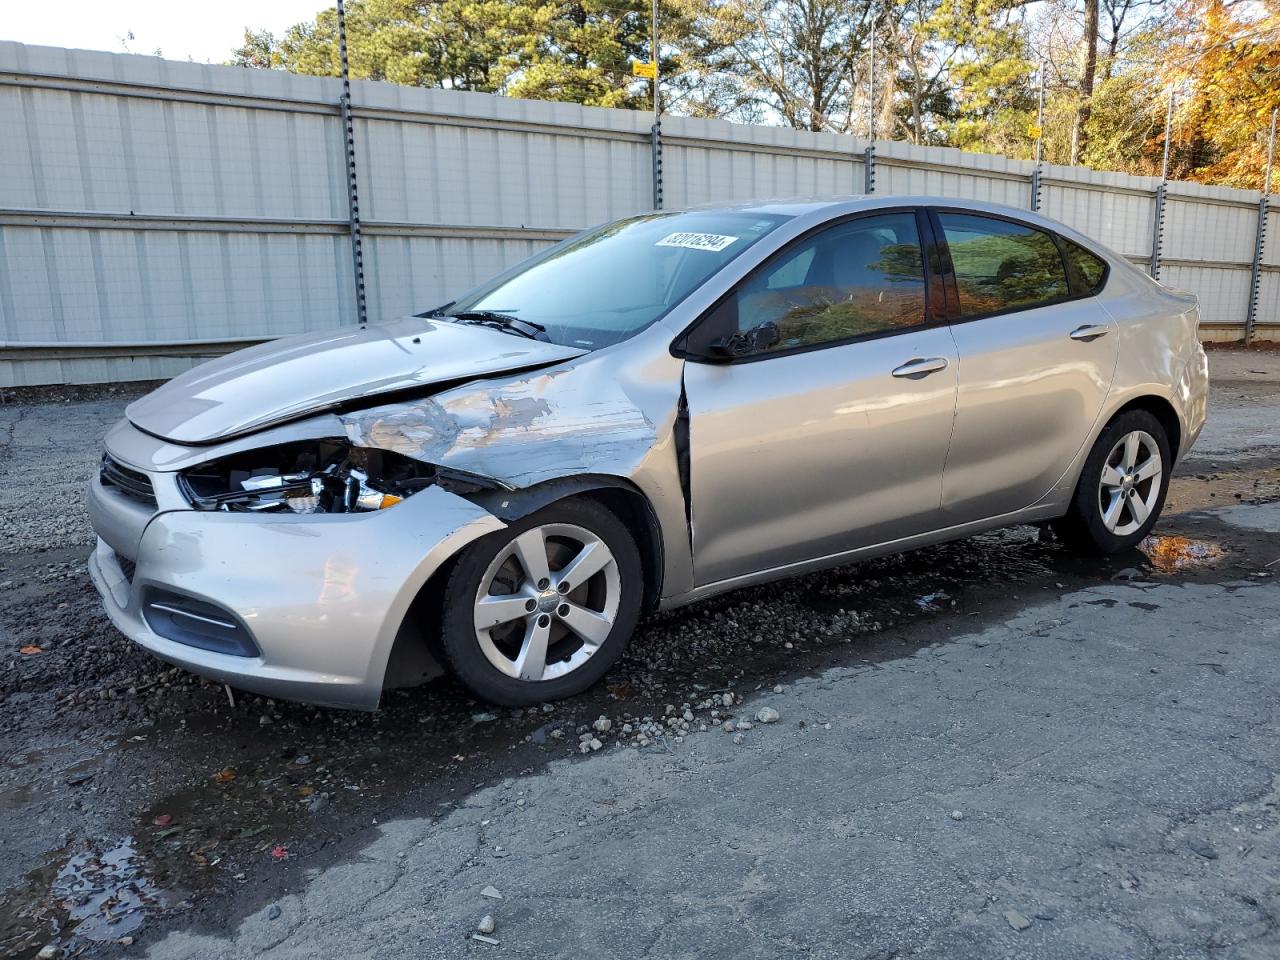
[[179, 29]]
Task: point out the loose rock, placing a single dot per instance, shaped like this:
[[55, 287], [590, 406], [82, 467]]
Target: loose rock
[[491, 892], [1203, 848], [768, 715], [957, 815], [486, 924], [1016, 920]]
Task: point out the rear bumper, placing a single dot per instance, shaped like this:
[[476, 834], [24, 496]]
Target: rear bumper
[[323, 597], [1191, 397]]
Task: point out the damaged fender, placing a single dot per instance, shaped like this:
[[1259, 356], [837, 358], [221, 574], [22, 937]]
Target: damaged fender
[[595, 418]]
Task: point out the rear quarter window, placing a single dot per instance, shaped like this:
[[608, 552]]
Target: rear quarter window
[[1087, 270]]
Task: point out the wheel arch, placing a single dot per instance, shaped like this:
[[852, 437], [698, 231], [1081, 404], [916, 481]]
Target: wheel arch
[[414, 656], [1160, 408], [620, 496]]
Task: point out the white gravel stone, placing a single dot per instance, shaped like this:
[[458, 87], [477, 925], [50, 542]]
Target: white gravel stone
[[603, 725], [1016, 920], [767, 715], [491, 892], [486, 924], [727, 700], [957, 815]]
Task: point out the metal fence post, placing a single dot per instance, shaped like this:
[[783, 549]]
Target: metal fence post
[[655, 132], [1035, 174], [1157, 234], [1157, 223], [353, 200], [869, 155], [1260, 238], [655, 145]]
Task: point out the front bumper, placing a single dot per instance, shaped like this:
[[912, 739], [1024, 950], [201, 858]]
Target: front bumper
[[323, 597]]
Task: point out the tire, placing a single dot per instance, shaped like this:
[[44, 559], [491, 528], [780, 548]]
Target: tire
[[1115, 516], [581, 627]]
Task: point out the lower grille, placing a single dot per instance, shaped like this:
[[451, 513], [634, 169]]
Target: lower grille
[[131, 483], [127, 567]]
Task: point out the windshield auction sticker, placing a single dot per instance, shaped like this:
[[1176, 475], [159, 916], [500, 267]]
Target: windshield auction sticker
[[713, 242]]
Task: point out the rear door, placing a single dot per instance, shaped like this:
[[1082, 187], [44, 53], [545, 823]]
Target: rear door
[[1037, 355], [824, 425]]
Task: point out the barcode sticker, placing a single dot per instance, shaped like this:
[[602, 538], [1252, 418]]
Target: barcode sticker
[[713, 242]]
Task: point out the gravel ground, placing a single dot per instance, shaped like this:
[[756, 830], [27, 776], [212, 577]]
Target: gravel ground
[[1102, 730]]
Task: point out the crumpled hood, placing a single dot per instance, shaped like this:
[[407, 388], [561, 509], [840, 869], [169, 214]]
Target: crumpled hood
[[295, 376]]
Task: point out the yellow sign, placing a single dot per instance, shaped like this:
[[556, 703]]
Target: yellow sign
[[641, 68], [1034, 131]]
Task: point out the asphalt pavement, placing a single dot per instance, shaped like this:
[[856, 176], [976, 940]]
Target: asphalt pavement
[[988, 749]]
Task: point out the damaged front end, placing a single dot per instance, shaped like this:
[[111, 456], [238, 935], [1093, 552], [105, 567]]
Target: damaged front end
[[323, 476]]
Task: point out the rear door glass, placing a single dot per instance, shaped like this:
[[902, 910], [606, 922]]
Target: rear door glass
[[1002, 265]]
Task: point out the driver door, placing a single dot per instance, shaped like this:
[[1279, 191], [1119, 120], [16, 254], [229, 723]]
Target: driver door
[[821, 393]]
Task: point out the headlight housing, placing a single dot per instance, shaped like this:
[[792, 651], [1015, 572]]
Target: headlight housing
[[311, 477]]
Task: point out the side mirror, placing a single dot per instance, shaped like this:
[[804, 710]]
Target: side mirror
[[759, 338]]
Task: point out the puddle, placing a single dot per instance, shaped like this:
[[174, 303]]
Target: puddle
[[1175, 554], [96, 896], [105, 894]]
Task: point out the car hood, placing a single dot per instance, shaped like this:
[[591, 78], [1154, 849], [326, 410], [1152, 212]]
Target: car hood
[[296, 376]]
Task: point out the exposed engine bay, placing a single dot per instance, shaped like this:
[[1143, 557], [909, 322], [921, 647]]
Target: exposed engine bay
[[315, 476]]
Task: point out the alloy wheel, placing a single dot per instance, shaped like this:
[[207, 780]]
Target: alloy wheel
[[547, 602], [1130, 483]]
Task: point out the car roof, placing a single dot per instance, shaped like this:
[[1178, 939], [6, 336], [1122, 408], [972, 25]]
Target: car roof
[[813, 211], [799, 206]]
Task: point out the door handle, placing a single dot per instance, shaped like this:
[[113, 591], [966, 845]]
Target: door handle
[[1090, 331], [920, 367]]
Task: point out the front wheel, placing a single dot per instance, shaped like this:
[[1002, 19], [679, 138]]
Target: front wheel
[[1122, 487], [542, 609]]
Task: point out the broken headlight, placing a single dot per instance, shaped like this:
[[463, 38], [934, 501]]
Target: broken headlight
[[318, 476]]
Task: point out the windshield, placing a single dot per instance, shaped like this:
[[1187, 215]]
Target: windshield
[[611, 283]]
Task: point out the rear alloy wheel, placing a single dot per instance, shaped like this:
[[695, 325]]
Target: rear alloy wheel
[[1122, 488], [542, 609], [1130, 484]]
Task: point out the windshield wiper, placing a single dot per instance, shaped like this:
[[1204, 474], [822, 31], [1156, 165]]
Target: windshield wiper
[[436, 311], [503, 321]]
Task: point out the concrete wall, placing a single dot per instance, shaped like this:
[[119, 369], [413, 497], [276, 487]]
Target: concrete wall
[[153, 212]]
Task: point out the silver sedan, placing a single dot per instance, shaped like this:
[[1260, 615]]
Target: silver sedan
[[652, 412]]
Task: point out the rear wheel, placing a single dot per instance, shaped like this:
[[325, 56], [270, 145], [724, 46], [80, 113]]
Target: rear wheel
[[542, 609], [1122, 487]]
